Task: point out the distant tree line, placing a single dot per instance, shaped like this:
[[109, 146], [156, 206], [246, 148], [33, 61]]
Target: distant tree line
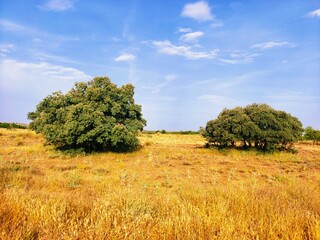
[[12, 125], [163, 131], [256, 125]]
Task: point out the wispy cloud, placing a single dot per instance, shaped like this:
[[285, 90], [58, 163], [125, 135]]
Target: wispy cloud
[[217, 24], [226, 83], [14, 27], [184, 30], [291, 96], [236, 61], [5, 49], [199, 11], [239, 58], [217, 103], [125, 57], [218, 100], [166, 47], [168, 79], [171, 77], [191, 36], [43, 57], [129, 21], [314, 14], [126, 32], [166, 82], [24, 84], [134, 73], [58, 5], [15, 74], [272, 44], [37, 35]]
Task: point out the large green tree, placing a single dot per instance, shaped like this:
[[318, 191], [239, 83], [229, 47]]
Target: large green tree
[[256, 125], [94, 116]]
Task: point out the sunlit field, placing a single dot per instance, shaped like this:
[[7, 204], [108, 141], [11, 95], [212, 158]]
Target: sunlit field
[[171, 188]]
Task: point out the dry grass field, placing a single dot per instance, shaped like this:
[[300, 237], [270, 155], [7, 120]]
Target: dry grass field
[[172, 188]]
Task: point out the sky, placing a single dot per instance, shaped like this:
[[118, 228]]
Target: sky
[[188, 60]]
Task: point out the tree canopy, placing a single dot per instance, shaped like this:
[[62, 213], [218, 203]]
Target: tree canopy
[[94, 116], [256, 125], [312, 134]]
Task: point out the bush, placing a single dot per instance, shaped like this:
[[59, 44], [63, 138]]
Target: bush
[[256, 125], [94, 116]]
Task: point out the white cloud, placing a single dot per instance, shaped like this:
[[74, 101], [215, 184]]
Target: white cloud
[[166, 47], [116, 39], [30, 76], [239, 80], [234, 61], [171, 77], [313, 14], [226, 83], [290, 96], [167, 80], [50, 40], [272, 44], [25, 84], [239, 58], [134, 74], [184, 30], [217, 24], [44, 57], [125, 58], [5, 49], [57, 5], [14, 27], [199, 11], [191, 36], [37, 40], [127, 32]]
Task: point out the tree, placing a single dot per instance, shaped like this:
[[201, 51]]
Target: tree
[[94, 116], [230, 126], [256, 125], [312, 134]]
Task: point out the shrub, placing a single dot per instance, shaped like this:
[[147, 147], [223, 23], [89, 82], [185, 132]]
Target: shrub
[[94, 116]]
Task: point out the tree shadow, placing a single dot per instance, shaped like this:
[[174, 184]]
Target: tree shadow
[[225, 149]]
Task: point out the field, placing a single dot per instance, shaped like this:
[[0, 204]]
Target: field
[[171, 188]]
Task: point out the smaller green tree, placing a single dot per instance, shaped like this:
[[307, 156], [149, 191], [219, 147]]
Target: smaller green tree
[[312, 134], [231, 125], [94, 116], [256, 125]]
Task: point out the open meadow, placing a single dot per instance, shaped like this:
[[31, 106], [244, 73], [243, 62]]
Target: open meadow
[[171, 188]]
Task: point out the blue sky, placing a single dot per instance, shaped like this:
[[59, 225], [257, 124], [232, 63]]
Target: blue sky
[[187, 59]]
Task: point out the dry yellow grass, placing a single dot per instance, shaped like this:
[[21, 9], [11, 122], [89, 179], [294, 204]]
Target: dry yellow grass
[[172, 188]]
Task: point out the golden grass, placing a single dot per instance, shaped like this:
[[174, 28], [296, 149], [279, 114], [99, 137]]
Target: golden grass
[[172, 188]]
